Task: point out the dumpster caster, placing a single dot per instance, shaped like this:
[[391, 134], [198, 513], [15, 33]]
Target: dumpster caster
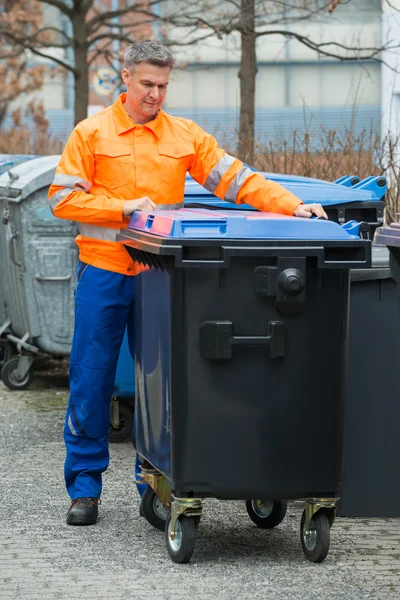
[[5, 352], [315, 534], [121, 422], [152, 509], [180, 528], [266, 513], [181, 546], [13, 378]]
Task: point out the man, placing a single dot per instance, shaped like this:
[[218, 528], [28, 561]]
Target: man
[[131, 156]]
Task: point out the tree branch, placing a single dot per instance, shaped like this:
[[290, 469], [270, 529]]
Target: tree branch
[[112, 36], [57, 31], [56, 60], [103, 17], [30, 42], [372, 52]]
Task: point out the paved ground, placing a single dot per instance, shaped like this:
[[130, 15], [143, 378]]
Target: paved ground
[[123, 557]]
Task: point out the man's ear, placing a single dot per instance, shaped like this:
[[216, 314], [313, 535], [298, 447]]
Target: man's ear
[[125, 76]]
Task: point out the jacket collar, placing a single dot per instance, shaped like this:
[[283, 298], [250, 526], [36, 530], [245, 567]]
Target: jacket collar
[[123, 121]]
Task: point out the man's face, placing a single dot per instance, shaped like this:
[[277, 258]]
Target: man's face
[[146, 88]]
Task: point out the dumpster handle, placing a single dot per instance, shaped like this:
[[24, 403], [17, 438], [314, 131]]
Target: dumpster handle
[[61, 278], [11, 249], [217, 339]]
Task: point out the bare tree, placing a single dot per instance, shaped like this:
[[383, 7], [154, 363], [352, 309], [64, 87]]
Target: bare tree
[[88, 38], [16, 76], [252, 20]]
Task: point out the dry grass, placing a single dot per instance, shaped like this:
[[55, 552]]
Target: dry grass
[[22, 140], [325, 154]]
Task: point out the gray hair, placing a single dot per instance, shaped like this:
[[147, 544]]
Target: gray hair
[[148, 51]]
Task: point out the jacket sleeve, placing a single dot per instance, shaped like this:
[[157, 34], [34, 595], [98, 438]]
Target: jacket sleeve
[[69, 194], [229, 179]]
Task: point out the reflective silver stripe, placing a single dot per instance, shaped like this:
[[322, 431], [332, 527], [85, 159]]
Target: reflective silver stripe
[[72, 181], [97, 232], [218, 171], [71, 427], [58, 196], [176, 206], [236, 184]]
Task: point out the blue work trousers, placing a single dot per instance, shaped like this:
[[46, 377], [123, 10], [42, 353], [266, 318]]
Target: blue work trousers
[[104, 308]]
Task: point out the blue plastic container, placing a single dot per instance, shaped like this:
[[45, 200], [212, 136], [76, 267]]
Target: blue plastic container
[[124, 386], [346, 199]]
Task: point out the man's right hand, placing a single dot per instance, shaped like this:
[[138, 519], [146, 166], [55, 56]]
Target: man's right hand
[[139, 204]]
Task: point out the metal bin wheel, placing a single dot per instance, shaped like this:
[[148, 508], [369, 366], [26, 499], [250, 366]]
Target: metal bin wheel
[[316, 542], [10, 376], [182, 546], [125, 429], [266, 513], [152, 509]]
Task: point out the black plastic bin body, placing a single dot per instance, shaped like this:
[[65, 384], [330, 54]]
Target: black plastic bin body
[[240, 371], [371, 487]]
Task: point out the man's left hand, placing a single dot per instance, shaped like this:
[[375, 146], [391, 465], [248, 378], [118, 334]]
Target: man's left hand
[[307, 210]]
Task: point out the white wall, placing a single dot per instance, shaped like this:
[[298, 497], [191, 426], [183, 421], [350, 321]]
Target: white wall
[[390, 98], [277, 86]]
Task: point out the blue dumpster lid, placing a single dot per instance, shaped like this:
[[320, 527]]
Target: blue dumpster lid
[[30, 176], [200, 223], [307, 189]]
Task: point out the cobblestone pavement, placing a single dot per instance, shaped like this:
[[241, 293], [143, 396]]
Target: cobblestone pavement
[[123, 557]]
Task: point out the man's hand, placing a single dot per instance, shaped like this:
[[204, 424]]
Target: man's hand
[[307, 210], [139, 204]]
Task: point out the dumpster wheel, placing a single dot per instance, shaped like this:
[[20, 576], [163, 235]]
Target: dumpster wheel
[[316, 541], [125, 429], [266, 513], [152, 509], [10, 377], [5, 352], [182, 546]]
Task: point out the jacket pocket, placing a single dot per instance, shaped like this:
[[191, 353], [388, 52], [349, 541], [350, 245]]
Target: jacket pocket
[[176, 149], [175, 159], [113, 164]]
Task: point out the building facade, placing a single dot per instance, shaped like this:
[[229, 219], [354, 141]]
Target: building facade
[[296, 87]]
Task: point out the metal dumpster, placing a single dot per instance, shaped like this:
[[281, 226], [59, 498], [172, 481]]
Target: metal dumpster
[[241, 367], [7, 162], [38, 270]]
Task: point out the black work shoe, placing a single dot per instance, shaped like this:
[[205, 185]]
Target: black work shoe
[[83, 511]]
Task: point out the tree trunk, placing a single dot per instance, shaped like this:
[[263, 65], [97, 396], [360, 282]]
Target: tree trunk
[[247, 76], [3, 113], [81, 75]]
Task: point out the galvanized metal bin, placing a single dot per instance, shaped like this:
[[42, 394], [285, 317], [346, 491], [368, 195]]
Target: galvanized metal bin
[[37, 282], [7, 162], [39, 262]]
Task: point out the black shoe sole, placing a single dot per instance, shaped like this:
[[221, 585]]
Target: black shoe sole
[[75, 520]]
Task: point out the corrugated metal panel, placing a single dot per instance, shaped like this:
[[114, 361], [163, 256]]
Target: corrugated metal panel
[[272, 123]]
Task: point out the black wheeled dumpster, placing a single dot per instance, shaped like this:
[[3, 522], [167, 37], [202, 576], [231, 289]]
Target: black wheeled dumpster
[[372, 442], [242, 325]]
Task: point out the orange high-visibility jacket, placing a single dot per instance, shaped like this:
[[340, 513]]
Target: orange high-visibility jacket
[[109, 159]]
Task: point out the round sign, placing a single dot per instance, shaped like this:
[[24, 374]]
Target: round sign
[[104, 81]]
